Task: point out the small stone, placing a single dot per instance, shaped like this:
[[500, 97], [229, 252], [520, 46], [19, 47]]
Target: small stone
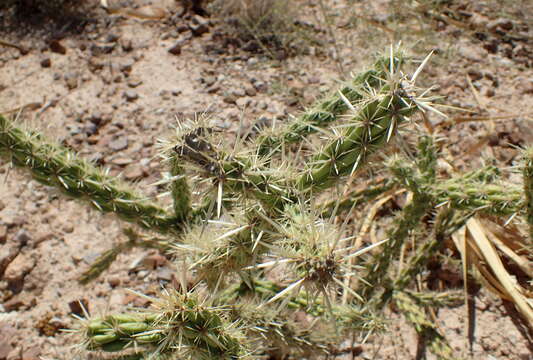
[[3, 234], [127, 45], [68, 228], [57, 47], [213, 89], [250, 90], [112, 37], [7, 333], [77, 307], [209, 80], [475, 74], [175, 49], [199, 25], [500, 24], [119, 143], [18, 269], [133, 83], [46, 62], [13, 304], [154, 261], [230, 99], [260, 86], [127, 66], [130, 95], [121, 161], [90, 129], [134, 172], [114, 280], [71, 79], [22, 238], [102, 49], [238, 92], [164, 273]]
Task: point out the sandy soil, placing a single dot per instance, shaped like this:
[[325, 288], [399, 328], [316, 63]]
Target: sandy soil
[[117, 89]]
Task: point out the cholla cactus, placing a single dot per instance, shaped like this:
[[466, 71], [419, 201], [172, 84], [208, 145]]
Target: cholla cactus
[[260, 215]]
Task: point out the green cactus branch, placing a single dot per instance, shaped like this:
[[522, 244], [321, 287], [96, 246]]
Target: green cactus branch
[[372, 127], [327, 110], [425, 327], [56, 166], [179, 324]]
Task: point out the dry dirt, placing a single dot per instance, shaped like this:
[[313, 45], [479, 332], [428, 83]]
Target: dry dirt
[[116, 89]]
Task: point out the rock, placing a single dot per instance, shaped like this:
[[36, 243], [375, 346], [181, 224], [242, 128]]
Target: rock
[[134, 172], [102, 49], [260, 86], [121, 161], [22, 238], [90, 129], [230, 99], [209, 80], [154, 261], [7, 333], [17, 270], [500, 24], [71, 79], [46, 62], [119, 143], [111, 37], [126, 66], [164, 273], [114, 280], [57, 47], [250, 90], [126, 45], [3, 234], [175, 49], [32, 352], [238, 92], [199, 25], [13, 304], [134, 82], [131, 95], [77, 307]]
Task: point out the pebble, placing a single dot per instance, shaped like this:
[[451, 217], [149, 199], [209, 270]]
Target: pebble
[[501, 23], [57, 47], [18, 268], [77, 306], [46, 62], [126, 66], [71, 79], [119, 143], [134, 172], [102, 49], [199, 25], [22, 238], [3, 234], [250, 90], [130, 95], [175, 49]]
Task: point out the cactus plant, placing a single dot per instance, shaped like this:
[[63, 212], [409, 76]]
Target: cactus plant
[[270, 219]]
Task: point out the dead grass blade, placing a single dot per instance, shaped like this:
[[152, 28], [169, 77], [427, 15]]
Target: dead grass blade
[[501, 279]]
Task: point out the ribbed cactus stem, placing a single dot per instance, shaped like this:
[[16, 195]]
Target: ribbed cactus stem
[[528, 188], [56, 166], [327, 110], [180, 325], [404, 224], [425, 327], [372, 127], [179, 189]]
